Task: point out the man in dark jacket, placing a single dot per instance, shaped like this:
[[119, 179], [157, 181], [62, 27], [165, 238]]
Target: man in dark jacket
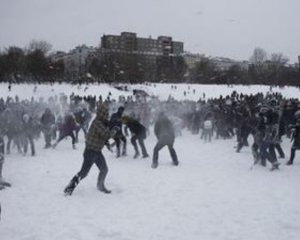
[[164, 132], [116, 120], [97, 136], [138, 132]]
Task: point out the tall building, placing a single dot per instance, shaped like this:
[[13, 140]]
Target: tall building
[[128, 42], [139, 57]]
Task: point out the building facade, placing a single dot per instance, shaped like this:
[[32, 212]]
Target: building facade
[[138, 57]]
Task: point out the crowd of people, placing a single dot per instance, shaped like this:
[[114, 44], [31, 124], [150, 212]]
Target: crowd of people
[[110, 122]]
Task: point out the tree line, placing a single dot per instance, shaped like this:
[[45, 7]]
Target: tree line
[[34, 64], [272, 70]]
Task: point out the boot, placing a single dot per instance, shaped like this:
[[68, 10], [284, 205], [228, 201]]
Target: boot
[[48, 145], [71, 186], [104, 190], [100, 183], [275, 166], [136, 154], [176, 163], [54, 145], [290, 162], [154, 165]]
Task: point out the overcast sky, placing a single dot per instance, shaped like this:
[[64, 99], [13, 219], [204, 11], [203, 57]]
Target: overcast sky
[[228, 28]]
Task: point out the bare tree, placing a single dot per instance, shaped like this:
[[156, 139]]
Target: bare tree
[[40, 45], [278, 59], [259, 56]]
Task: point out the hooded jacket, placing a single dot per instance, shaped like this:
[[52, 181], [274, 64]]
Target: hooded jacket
[[98, 132]]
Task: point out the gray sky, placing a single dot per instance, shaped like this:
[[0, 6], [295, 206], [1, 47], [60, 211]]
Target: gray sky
[[228, 28]]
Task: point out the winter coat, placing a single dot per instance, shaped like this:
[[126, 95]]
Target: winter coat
[[98, 133], [29, 126], [136, 128], [47, 120], [69, 124], [116, 120], [163, 129]]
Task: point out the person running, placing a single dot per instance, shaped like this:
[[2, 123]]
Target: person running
[[67, 129], [97, 135]]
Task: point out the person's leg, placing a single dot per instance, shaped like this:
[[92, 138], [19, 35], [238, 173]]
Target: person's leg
[[76, 134], [61, 137], [31, 142], [89, 157], [47, 136], [71, 134], [263, 154], [123, 139], [134, 144], [280, 150], [117, 141], [293, 153], [173, 154], [1, 156], [102, 166], [159, 145], [8, 144], [143, 147], [272, 157]]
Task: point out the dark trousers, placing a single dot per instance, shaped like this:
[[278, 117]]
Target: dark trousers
[[89, 158], [1, 155], [159, 145], [267, 151], [279, 150], [29, 139], [141, 143], [118, 144], [48, 136], [14, 137], [293, 154]]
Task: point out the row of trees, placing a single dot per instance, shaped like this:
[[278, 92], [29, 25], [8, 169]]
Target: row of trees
[[132, 68], [31, 64], [34, 64], [262, 69]]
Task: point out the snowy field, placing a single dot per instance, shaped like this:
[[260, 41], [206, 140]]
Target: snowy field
[[212, 194]]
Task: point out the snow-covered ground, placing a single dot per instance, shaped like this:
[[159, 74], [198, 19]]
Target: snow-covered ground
[[212, 194], [163, 91]]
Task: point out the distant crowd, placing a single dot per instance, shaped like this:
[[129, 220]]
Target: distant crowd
[[267, 117]]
